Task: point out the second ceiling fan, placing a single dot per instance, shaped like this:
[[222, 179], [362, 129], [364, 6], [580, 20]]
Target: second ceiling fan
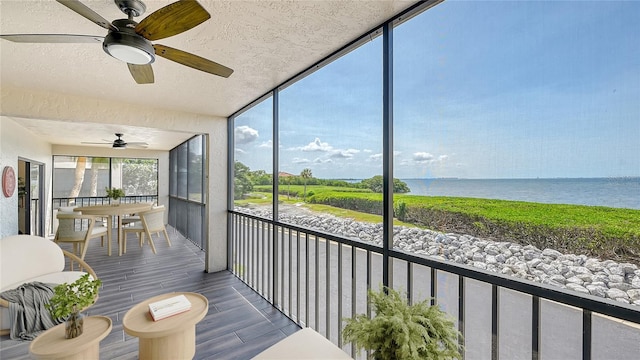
[[130, 41], [118, 143]]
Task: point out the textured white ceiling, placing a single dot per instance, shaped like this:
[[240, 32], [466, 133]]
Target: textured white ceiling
[[265, 42]]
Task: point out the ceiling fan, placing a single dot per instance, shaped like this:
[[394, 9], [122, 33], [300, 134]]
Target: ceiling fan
[[130, 41], [118, 143]]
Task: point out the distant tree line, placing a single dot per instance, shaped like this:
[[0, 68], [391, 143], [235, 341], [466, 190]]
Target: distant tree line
[[245, 180]]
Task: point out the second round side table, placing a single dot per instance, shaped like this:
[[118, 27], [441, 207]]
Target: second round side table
[[171, 338]]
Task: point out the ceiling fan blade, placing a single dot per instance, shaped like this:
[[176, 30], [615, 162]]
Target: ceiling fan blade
[[141, 145], [142, 74], [96, 143], [52, 38], [172, 19], [83, 10], [193, 61]]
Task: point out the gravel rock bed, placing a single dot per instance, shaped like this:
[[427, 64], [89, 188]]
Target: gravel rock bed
[[607, 279]]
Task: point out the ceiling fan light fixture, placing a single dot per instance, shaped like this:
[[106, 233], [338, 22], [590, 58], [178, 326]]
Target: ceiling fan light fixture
[[128, 46], [129, 54]]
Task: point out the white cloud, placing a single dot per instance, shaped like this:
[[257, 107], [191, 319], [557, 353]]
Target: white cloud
[[240, 151], [378, 157], [244, 134], [316, 145], [344, 154], [322, 161], [367, 151], [423, 157], [300, 161], [428, 158], [267, 144]]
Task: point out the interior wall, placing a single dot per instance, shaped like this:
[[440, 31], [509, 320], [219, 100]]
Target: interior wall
[[18, 102], [17, 142]]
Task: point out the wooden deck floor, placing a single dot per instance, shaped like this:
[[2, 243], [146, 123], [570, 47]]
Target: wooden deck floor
[[239, 325]]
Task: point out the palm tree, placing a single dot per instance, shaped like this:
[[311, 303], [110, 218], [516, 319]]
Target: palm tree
[[81, 164], [305, 174], [96, 163]]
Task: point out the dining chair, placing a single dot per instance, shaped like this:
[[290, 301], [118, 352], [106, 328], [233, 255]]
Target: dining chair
[[151, 222], [100, 221], [130, 219], [133, 218], [72, 229]]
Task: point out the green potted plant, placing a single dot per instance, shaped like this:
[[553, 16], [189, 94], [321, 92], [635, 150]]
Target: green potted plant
[[114, 193], [402, 331], [69, 299]]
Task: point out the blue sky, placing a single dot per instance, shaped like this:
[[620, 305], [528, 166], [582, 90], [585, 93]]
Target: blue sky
[[485, 89]]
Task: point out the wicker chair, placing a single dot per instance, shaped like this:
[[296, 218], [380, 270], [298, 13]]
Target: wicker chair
[[70, 230]]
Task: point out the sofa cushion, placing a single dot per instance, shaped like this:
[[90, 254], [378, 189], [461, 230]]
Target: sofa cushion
[[24, 257], [303, 344], [53, 278]]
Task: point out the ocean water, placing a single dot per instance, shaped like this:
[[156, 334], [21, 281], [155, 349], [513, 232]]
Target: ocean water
[[612, 192]]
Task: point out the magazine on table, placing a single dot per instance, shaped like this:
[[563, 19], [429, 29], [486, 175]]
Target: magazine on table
[[168, 307]]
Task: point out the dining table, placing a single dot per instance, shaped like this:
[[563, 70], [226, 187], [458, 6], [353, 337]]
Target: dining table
[[117, 211]]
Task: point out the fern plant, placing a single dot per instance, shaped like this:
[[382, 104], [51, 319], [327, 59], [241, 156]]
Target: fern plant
[[402, 331]]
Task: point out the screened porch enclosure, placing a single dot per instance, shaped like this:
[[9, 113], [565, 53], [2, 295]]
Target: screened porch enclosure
[[492, 106]]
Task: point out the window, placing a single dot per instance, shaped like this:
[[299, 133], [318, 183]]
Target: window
[[186, 163], [196, 169], [87, 177], [187, 195], [534, 102], [80, 176], [253, 168], [139, 176], [331, 137]]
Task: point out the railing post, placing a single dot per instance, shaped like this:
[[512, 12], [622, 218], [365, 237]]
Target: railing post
[[586, 335], [535, 328], [461, 314], [495, 306]]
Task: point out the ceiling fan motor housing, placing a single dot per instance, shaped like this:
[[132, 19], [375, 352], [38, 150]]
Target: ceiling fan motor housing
[[119, 143], [126, 45]]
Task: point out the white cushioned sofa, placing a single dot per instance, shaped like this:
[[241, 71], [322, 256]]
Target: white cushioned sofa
[[304, 344], [28, 258]]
